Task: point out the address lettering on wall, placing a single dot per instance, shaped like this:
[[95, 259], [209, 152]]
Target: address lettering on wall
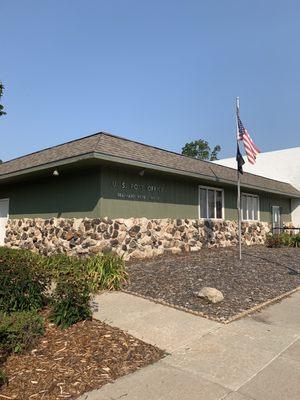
[[137, 191]]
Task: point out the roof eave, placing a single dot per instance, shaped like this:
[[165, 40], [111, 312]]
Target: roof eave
[[42, 167]]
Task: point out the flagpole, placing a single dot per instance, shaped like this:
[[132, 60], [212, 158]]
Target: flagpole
[[239, 188]]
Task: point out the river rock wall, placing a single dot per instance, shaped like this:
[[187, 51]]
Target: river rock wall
[[133, 237]]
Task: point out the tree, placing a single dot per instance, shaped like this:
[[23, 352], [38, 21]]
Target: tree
[[201, 150], [214, 153], [2, 112]]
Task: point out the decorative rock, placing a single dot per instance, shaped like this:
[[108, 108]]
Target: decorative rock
[[137, 237], [175, 250], [134, 230], [211, 294], [95, 249], [69, 235], [104, 247], [195, 248], [138, 254], [114, 242], [146, 240], [114, 234]]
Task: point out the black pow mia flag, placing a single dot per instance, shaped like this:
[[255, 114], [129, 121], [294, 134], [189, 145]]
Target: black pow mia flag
[[239, 159]]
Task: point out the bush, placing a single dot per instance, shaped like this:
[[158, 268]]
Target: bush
[[22, 285], [20, 330], [77, 280], [20, 257], [25, 278], [273, 240], [294, 240], [72, 294], [99, 272], [283, 240], [71, 303]]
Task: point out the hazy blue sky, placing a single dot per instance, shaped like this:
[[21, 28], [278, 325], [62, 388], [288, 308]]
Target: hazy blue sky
[[162, 72]]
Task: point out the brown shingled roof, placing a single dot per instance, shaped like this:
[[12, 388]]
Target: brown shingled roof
[[124, 149]]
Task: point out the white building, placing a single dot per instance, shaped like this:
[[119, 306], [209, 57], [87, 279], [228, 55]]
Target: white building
[[282, 165]]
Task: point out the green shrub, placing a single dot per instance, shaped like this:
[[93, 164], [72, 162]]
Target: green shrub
[[105, 271], [77, 279], [25, 278], [70, 303], [62, 264], [3, 378], [22, 285], [72, 295], [294, 240], [99, 272], [22, 258], [283, 240], [20, 330], [273, 240]]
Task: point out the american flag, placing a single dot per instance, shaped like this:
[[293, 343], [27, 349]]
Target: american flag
[[250, 148]]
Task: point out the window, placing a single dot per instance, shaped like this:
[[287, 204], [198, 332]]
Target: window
[[210, 203], [250, 207]]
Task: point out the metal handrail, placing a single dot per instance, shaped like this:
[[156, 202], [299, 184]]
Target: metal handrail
[[285, 228]]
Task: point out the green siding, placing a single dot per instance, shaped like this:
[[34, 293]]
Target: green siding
[[75, 195], [230, 204], [266, 201], [122, 193], [127, 194], [269, 200]]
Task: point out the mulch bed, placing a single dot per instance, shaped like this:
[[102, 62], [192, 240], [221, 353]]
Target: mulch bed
[[263, 274], [66, 363]]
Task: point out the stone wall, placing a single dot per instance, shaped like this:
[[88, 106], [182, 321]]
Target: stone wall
[[133, 238]]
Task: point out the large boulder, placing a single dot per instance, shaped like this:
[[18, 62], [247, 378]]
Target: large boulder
[[211, 294]]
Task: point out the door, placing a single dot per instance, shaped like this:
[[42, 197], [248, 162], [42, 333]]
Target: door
[[276, 219], [3, 218]]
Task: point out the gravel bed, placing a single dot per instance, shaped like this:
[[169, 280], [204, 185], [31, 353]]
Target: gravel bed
[[263, 274], [66, 363]]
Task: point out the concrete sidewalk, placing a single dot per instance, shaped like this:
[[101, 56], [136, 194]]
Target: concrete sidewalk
[[256, 358]]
